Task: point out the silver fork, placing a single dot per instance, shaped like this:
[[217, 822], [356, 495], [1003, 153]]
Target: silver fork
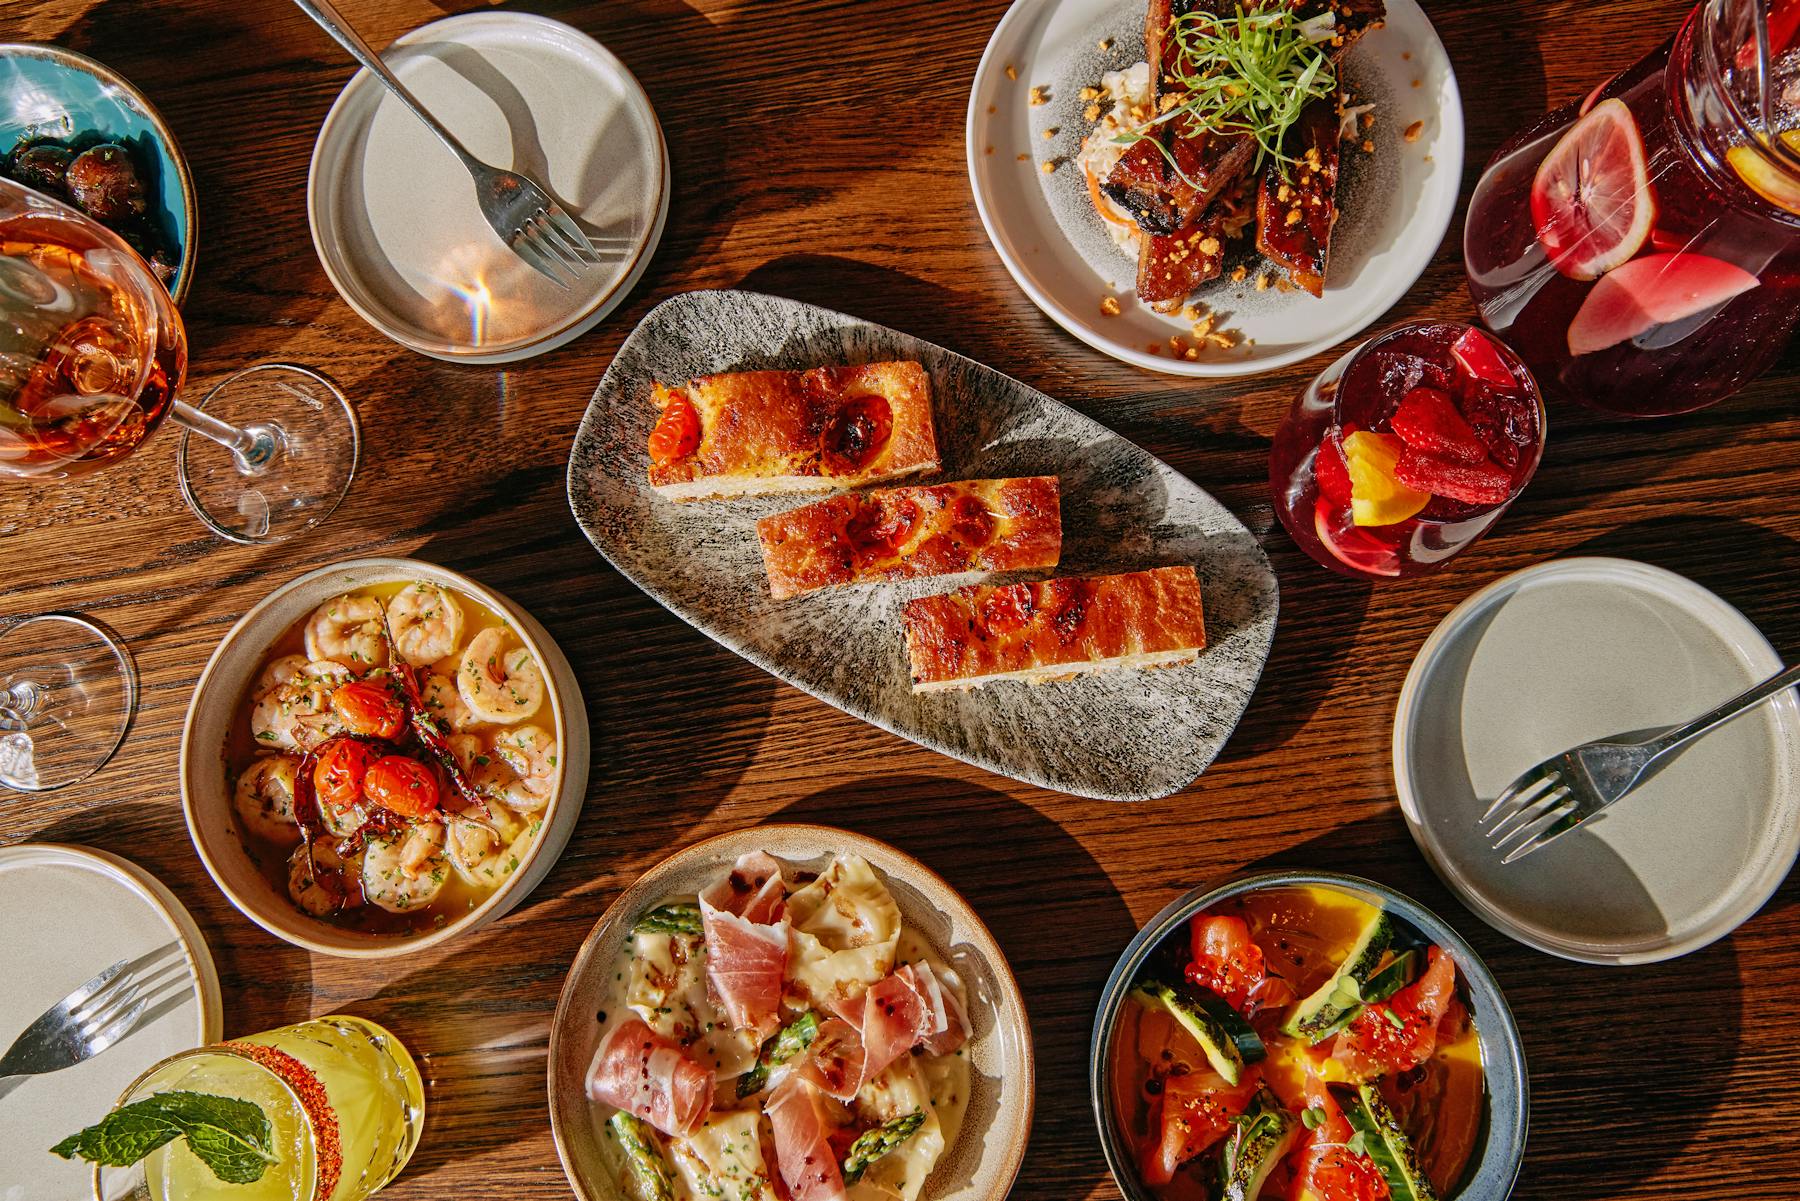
[[78, 1027], [532, 225], [1565, 790]]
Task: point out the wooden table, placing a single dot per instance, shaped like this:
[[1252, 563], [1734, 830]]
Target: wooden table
[[817, 150]]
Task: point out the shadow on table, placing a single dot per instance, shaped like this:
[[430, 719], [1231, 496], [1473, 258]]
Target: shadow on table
[[674, 719], [1643, 1053], [1052, 908]]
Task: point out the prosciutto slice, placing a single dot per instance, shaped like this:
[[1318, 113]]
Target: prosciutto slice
[[802, 1126], [745, 919], [835, 1061], [946, 1024], [644, 1074]]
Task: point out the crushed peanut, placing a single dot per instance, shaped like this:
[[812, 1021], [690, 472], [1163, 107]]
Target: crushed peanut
[[1024, 158], [1090, 93], [1105, 44], [1368, 120], [1413, 131], [1109, 305], [1239, 273], [1262, 282], [1047, 166], [1293, 217], [1049, 133], [1012, 72], [1368, 146], [1209, 246], [1091, 112], [1040, 95]]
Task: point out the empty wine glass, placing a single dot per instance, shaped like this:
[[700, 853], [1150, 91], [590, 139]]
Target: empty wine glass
[[93, 354], [68, 689]]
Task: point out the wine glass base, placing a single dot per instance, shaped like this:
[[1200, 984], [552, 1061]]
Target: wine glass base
[[306, 471], [68, 690]]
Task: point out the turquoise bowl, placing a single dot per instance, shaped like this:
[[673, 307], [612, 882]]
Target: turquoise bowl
[[51, 92], [1500, 1147]]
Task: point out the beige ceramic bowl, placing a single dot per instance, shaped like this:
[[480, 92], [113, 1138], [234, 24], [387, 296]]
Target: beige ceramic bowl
[[986, 1156], [206, 791]]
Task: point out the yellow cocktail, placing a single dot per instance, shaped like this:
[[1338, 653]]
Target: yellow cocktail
[[342, 1095]]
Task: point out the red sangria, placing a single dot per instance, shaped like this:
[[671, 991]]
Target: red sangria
[[1406, 450], [1641, 250]]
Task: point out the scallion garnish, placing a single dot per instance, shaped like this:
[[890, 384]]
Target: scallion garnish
[[1249, 73]]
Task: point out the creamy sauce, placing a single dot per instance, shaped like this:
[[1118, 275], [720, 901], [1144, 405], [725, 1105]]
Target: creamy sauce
[[518, 827]]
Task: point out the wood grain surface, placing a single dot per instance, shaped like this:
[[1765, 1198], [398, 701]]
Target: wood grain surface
[[817, 149]]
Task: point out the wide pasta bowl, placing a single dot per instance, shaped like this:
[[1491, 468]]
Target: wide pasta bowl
[[207, 788], [1499, 1144], [979, 1165]]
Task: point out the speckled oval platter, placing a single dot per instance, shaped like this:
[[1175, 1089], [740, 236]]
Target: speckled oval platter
[[1121, 735]]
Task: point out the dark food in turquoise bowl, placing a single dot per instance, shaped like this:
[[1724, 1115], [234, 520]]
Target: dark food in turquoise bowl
[[104, 180]]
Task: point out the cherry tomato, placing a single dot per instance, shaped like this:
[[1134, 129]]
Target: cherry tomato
[[404, 786], [972, 521], [339, 771], [677, 432], [1007, 609], [885, 523], [855, 434], [369, 709]]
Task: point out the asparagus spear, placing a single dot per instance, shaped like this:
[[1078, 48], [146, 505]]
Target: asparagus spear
[[782, 1046], [650, 1179], [871, 1145], [670, 919]]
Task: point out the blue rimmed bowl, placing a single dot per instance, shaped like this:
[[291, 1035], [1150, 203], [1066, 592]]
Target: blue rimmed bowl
[[1500, 1147], [52, 92]]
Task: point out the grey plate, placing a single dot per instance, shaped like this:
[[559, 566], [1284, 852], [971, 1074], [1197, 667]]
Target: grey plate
[[1125, 735], [1500, 1145], [1576, 649]]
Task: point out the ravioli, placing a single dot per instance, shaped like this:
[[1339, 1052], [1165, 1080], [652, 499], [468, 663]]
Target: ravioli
[[667, 989], [846, 928]]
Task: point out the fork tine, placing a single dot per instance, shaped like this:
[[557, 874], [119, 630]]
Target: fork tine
[[115, 1000], [1531, 829], [553, 239], [74, 1000], [1527, 813], [125, 1024], [523, 246], [1512, 792], [573, 234], [1567, 821]]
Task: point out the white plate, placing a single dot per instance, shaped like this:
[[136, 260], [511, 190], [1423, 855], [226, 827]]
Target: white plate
[[1397, 202], [66, 913], [393, 214], [1570, 651]]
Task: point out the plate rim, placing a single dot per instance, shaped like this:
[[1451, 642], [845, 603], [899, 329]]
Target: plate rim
[[575, 486], [1160, 364], [840, 840], [602, 304], [1749, 636]]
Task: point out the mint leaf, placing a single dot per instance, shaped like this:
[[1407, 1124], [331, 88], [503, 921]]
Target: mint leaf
[[122, 1137], [231, 1136]]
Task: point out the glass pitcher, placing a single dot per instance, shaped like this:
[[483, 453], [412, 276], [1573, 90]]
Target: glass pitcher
[[1641, 249]]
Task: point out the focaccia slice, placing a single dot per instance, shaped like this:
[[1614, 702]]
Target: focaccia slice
[[1054, 629], [907, 533], [756, 432]]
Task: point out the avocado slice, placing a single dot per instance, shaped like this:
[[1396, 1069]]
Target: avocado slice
[[1225, 1037], [1319, 1016], [1263, 1139], [1384, 1141]]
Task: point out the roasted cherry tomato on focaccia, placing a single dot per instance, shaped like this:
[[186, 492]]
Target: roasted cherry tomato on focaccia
[[370, 709], [971, 521], [402, 785], [1007, 609], [855, 434], [887, 522], [339, 771], [677, 432]]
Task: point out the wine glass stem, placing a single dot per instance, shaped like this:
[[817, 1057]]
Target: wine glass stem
[[254, 447]]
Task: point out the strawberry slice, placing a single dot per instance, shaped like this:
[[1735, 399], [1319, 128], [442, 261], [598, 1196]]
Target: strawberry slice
[[1484, 483], [1331, 471], [1480, 359], [1427, 422]]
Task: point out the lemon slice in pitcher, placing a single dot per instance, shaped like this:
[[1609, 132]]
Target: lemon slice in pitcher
[[1778, 187]]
